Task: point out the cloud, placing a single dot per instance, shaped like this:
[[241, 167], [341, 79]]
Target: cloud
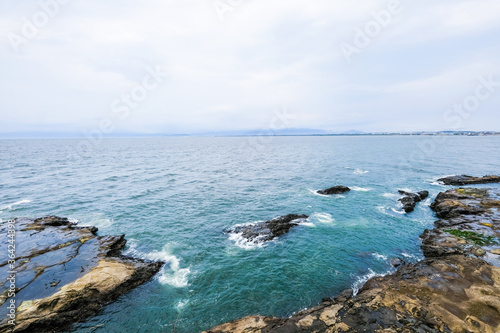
[[232, 73]]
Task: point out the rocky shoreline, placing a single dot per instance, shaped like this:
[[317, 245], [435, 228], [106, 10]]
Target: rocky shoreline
[[455, 288], [63, 274]]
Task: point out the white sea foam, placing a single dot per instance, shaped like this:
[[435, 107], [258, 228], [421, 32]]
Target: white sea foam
[[244, 243], [426, 203], [12, 205], [384, 210], [171, 273], [402, 212], [360, 172], [182, 304], [359, 281], [390, 195], [410, 256], [380, 257], [315, 192], [324, 218], [360, 189], [98, 220]]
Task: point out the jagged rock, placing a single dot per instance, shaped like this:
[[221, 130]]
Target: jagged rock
[[455, 289], [344, 296], [396, 262], [469, 180], [334, 190], [65, 274], [266, 231], [458, 202], [410, 200]]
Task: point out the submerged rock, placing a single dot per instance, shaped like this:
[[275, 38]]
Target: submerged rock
[[469, 180], [266, 231], [65, 274], [456, 288], [410, 200], [334, 190]]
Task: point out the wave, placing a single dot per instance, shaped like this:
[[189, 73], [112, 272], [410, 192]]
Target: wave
[[324, 218], [411, 256], [380, 257], [384, 210], [390, 195], [12, 205], [244, 243], [360, 189], [96, 220], [360, 172], [359, 281], [171, 273], [315, 192], [435, 182], [426, 203], [182, 304], [402, 212]]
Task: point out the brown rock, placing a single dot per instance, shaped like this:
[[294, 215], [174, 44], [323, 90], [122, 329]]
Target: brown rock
[[69, 274]]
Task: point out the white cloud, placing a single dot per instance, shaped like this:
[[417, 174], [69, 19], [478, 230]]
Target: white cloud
[[233, 73]]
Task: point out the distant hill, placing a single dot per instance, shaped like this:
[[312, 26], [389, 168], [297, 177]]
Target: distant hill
[[256, 132]]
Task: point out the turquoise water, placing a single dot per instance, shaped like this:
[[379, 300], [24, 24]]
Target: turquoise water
[[174, 197]]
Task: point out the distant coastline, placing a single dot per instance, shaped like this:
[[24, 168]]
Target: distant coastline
[[251, 133]]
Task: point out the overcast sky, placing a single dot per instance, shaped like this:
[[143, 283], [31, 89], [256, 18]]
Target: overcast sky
[[76, 65]]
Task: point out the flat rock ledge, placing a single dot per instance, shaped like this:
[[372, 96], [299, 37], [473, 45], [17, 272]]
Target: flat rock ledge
[[268, 230], [455, 289], [469, 180], [64, 274]]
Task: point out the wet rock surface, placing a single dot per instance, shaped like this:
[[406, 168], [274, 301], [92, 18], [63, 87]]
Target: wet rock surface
[[456, 288], [469, 180], [65, 273], [268, 230], [334, 190], [410, 200]]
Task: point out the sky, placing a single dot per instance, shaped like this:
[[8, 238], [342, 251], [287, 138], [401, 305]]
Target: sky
[[186, 66]]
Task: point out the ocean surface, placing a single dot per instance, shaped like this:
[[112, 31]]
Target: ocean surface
[[174, 197]]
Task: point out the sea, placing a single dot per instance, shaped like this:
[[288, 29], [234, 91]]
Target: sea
[[174, 198]]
